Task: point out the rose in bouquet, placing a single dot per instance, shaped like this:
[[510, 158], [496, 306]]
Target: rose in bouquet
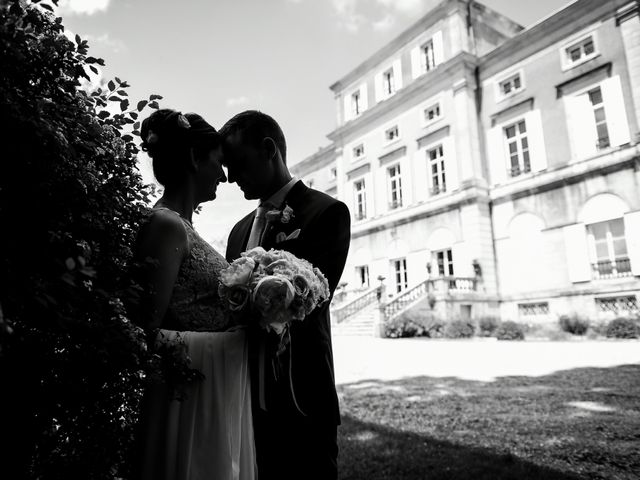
[[273, 288]]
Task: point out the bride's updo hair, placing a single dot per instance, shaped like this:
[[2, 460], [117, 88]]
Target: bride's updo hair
[[168, 137]]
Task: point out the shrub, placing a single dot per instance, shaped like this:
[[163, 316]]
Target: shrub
[[623, 328], [488, 325], [510, 330], [459, 329], [71, 200], [574, 324], [415, 324]]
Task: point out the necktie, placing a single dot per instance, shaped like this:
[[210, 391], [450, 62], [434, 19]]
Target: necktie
[[259, 222]]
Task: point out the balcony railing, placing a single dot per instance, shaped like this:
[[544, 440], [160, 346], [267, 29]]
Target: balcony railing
[[515, 171], [620, 267], [603, 143], [447, 284], [360, 216], [437, 189], [395, 204]]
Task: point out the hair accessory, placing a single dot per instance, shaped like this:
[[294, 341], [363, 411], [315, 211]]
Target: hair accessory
[[183, 121]]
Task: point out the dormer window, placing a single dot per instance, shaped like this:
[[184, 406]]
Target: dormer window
[[579, 51], [511, 85], [392, 134], [431, 113]]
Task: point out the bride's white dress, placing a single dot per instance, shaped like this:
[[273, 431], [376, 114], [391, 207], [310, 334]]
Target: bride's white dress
[[208, 435]]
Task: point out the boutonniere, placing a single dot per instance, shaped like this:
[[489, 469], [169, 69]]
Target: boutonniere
[[282, 217]]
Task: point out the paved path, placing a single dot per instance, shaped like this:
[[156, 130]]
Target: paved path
[[361, 358]]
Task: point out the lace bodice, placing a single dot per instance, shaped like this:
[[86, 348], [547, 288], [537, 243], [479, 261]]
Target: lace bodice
[[195, 303]]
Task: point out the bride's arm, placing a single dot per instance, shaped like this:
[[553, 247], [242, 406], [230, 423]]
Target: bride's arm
[[163, 245]]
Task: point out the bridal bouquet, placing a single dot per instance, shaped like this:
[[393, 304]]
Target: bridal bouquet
[[275, 287]]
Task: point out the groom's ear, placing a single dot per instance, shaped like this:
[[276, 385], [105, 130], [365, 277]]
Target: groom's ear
[[270, 147]]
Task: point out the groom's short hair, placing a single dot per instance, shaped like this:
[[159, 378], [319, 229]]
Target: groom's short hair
[[254, 126]]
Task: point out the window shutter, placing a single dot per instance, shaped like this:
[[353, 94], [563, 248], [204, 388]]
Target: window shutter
[[347, 108], [496, 155], [397, 73], [461, 260], [416, 69], [575, 242], [364, 99], [450, 164], [615, 111], [632, 236], [535, 136], [378, 87], [582, 126], [438, 50]]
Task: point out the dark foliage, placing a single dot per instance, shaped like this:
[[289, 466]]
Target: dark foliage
[[623, 328], [71, 199], [415, 324], [574, 324], [487, 326], [459, 329], [510, 330]]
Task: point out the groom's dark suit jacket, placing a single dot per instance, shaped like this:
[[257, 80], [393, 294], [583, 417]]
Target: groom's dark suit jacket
[[324, 225]]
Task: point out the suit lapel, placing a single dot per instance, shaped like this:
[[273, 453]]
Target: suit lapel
[[246, 231]]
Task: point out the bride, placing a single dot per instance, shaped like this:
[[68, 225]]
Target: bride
[[208, 435]]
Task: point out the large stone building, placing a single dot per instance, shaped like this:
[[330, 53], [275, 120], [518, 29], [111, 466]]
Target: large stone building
[[499, 162]]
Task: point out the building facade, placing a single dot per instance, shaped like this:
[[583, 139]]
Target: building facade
[[500, 162]]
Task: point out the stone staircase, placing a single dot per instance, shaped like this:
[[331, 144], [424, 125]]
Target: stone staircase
[[366, 314], [359, 324]]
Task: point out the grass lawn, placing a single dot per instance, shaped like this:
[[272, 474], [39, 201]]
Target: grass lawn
[[575, 424]]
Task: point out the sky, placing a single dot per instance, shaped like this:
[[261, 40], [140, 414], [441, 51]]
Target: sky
[[220, 57]]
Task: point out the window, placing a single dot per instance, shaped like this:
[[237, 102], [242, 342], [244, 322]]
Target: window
[[333, 173], [618, 305], [392, 134], [518, 148], [580, 52], [356, 106], [358, 151], [595, 98], [400, 270], [395, 187], [360, 199], [388, 82], [608, 249], [436, 167], [510, 85], [427, 57], [431, 113], [362, 276], [444, 262], [539, 309]]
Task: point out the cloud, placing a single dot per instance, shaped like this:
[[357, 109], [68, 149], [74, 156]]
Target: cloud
[[404, 6], [82, 7], [348, 17], [384, 24], [354, 14], [115, 45], [237, 101]]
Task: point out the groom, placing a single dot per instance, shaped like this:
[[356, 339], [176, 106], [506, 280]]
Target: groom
[[295, 421]]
